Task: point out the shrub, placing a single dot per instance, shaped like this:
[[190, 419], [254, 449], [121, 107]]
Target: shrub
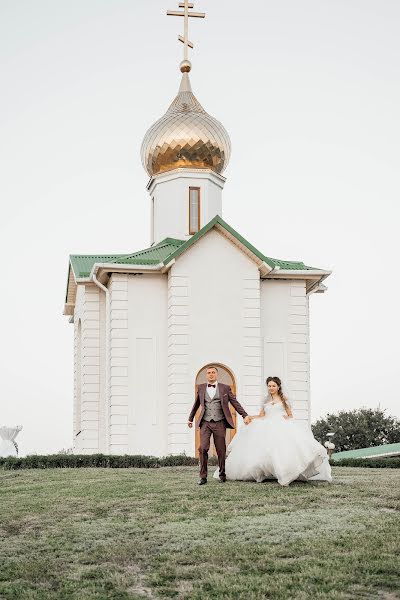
[[78, 461], [359, 428], [369, 463]]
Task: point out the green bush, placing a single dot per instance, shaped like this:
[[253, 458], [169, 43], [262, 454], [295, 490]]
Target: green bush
[[369, 463], [77, 461], [105, 461], [360, 428]]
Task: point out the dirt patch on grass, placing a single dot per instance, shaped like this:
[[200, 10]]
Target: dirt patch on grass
[[25, 526], [139, 589]]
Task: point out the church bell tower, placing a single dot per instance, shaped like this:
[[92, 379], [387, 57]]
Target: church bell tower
[[185, 153]]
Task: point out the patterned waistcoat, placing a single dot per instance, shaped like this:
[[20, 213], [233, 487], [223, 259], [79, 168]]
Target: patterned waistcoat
[[213, 407]]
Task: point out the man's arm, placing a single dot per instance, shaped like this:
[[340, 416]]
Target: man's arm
[[194, 410], [236, 405]]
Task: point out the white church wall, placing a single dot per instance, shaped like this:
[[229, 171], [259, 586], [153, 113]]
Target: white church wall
[[170, 193], [103, 400], [77, 411], [147, 364], [284, 316], [213, 315], [87, 369], [210, 199], [117, 421]]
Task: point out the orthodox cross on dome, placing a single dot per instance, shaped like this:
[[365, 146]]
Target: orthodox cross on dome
[[185, 64]]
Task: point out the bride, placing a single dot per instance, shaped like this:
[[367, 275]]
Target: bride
[[275, 446]]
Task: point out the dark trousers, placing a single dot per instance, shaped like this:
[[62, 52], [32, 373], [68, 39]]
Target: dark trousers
[[218, 430]]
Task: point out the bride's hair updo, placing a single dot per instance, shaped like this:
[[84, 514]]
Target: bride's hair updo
[[281, 394]]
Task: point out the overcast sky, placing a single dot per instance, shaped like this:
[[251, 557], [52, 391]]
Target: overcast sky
[[309, 91]]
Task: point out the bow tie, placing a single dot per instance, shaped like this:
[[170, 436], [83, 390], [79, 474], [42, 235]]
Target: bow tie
[[211, 385]]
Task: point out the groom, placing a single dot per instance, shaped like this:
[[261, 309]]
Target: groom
[[215, 417]]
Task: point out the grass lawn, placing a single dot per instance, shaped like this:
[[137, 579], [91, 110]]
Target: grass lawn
[[68, 534]]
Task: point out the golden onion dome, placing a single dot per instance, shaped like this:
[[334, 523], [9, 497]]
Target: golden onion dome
[[186, 136]]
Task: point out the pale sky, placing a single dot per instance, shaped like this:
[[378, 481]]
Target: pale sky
[[309, 91]]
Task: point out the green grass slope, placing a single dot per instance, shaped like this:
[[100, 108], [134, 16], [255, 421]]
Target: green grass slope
[[97, 534]]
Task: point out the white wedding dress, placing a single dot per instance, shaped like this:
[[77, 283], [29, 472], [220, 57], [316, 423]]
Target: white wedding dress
[[273, 447]]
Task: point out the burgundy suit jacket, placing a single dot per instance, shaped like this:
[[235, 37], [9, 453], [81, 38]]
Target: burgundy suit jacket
[[226, 397]]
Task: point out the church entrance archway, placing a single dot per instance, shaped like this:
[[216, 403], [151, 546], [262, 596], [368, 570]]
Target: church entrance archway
[[225, 375]]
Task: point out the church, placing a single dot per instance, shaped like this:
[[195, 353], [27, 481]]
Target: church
[[147, 324]]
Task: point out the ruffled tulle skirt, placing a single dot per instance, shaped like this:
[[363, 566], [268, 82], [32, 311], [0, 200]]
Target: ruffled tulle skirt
[[276, 448], [7, 448]]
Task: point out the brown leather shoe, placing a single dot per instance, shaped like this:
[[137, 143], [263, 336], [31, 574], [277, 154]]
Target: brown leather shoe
[[222, 479], [202, 481]]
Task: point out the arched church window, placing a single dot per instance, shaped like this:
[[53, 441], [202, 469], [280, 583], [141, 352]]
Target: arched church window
[[194, 210]]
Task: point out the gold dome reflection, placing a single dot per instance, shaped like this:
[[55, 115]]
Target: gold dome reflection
[[186, 136]]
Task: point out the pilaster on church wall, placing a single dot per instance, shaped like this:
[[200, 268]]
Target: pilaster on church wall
[[118, 390], [299, 350], [87, 354], [77, 409], [252, 344], [285, 330], [103, 398], [179, 384]]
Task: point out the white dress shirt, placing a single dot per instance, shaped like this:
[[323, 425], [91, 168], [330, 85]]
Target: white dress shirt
[[212, 390]]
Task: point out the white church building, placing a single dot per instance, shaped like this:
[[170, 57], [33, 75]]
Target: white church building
[[147, 324]]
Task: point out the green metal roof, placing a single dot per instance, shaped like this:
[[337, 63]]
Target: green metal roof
[[384, 450], [82, 263], [169, 249]]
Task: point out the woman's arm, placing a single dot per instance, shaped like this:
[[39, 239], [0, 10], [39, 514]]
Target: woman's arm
[[259, 416]]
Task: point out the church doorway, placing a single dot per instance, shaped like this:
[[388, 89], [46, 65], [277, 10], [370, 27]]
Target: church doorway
[[225, 375]]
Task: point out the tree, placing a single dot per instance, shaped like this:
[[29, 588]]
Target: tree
[[359, 428]]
